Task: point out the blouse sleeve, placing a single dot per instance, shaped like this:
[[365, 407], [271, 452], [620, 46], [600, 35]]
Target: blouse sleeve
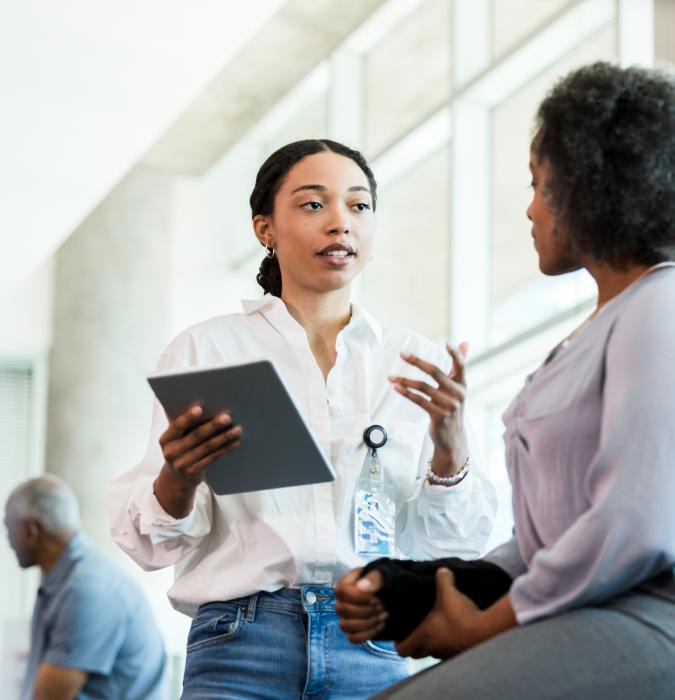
[[628, 533], [138, 523]]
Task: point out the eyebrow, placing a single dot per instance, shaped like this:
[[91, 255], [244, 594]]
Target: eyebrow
[[323, 188]]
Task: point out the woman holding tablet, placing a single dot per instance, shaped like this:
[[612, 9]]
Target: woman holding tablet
[[256, 570]]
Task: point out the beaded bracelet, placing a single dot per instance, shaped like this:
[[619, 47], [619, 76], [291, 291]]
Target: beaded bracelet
[[437, 480]]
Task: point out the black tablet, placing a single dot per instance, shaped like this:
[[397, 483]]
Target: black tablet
[[277, 448]]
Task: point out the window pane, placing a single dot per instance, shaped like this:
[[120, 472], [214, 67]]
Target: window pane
[[495, 459], [406, 283], [408, 74], [520, 295], [514, 19]]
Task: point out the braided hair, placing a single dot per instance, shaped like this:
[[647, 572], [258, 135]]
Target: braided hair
[[270, 178]]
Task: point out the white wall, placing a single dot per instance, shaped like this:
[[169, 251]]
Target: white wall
[[26, 315], [211, 234], [87, 88]]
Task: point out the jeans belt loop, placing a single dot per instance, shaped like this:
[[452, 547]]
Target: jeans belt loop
[[250, 608]]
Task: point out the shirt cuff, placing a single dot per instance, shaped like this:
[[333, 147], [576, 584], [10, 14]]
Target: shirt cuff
[[70, 659], [161, 517], [525, 608], [154, 521], [440, 494]]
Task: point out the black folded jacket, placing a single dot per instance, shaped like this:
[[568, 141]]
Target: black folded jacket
[[409, 589]]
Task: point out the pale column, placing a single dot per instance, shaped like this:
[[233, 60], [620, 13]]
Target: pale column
[[345, 104], [636, 32], [470, 164], [346, 112], [664, 30], [109, 327]]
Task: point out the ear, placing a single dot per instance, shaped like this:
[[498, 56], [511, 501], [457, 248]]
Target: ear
[[262, 227], [32, 531]]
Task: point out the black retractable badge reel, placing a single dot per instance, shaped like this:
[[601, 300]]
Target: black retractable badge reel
[[374, 511], [375, 437]]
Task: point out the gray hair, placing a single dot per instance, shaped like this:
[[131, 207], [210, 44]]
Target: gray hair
[[48, 500]]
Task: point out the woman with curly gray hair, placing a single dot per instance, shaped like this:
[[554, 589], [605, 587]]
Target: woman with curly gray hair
[[580, 603]]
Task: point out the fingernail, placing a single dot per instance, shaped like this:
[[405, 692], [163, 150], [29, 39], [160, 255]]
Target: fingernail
[[406, 355], [223, 419], [364, 584], [383, 616], [196, 410]]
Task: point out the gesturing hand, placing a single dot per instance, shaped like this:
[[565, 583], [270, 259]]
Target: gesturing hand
[[450, 626], [361, 613], [444, 403]]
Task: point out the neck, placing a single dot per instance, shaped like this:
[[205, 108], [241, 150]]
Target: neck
[[323, 315], [50, 552], [611, 281], [319, 313]]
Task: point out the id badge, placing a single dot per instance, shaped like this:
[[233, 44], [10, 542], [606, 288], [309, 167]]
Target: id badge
[[374, 520]]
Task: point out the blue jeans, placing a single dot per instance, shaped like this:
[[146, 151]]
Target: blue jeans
[[285, 645]]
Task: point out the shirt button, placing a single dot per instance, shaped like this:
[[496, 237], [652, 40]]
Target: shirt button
[[310, 598]]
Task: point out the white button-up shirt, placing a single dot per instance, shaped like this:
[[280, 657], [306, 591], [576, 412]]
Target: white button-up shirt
[[235, 545]]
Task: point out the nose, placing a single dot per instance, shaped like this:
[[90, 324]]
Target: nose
[[339, 221], [339, 229], [528, 210]]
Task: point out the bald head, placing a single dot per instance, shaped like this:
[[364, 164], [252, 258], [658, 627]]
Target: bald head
[[47, 500]]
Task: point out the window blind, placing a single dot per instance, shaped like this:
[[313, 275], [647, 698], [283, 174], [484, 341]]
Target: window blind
[[16, 411]]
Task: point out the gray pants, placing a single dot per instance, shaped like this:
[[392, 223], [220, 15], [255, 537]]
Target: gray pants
[[622, 650]]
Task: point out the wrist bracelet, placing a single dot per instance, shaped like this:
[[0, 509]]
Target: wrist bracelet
[[437, 480]]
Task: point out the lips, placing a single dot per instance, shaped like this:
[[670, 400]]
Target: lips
[[338, 251]]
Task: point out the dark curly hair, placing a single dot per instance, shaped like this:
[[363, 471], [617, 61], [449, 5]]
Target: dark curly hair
[[608, 134], [270, 178]]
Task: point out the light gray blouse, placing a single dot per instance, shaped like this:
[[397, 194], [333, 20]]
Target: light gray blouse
[[590, 450]]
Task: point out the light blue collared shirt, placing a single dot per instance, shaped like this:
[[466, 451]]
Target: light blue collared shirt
[[91, 616]]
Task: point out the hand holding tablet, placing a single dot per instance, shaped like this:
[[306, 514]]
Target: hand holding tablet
[[238, 428], [191, 443]]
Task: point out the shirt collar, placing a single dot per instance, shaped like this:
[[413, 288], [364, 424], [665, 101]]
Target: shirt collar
[[250, 306], [360, 319], [74, 551]]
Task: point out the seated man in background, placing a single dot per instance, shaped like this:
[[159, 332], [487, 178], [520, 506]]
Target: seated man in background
[[93, 634]]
